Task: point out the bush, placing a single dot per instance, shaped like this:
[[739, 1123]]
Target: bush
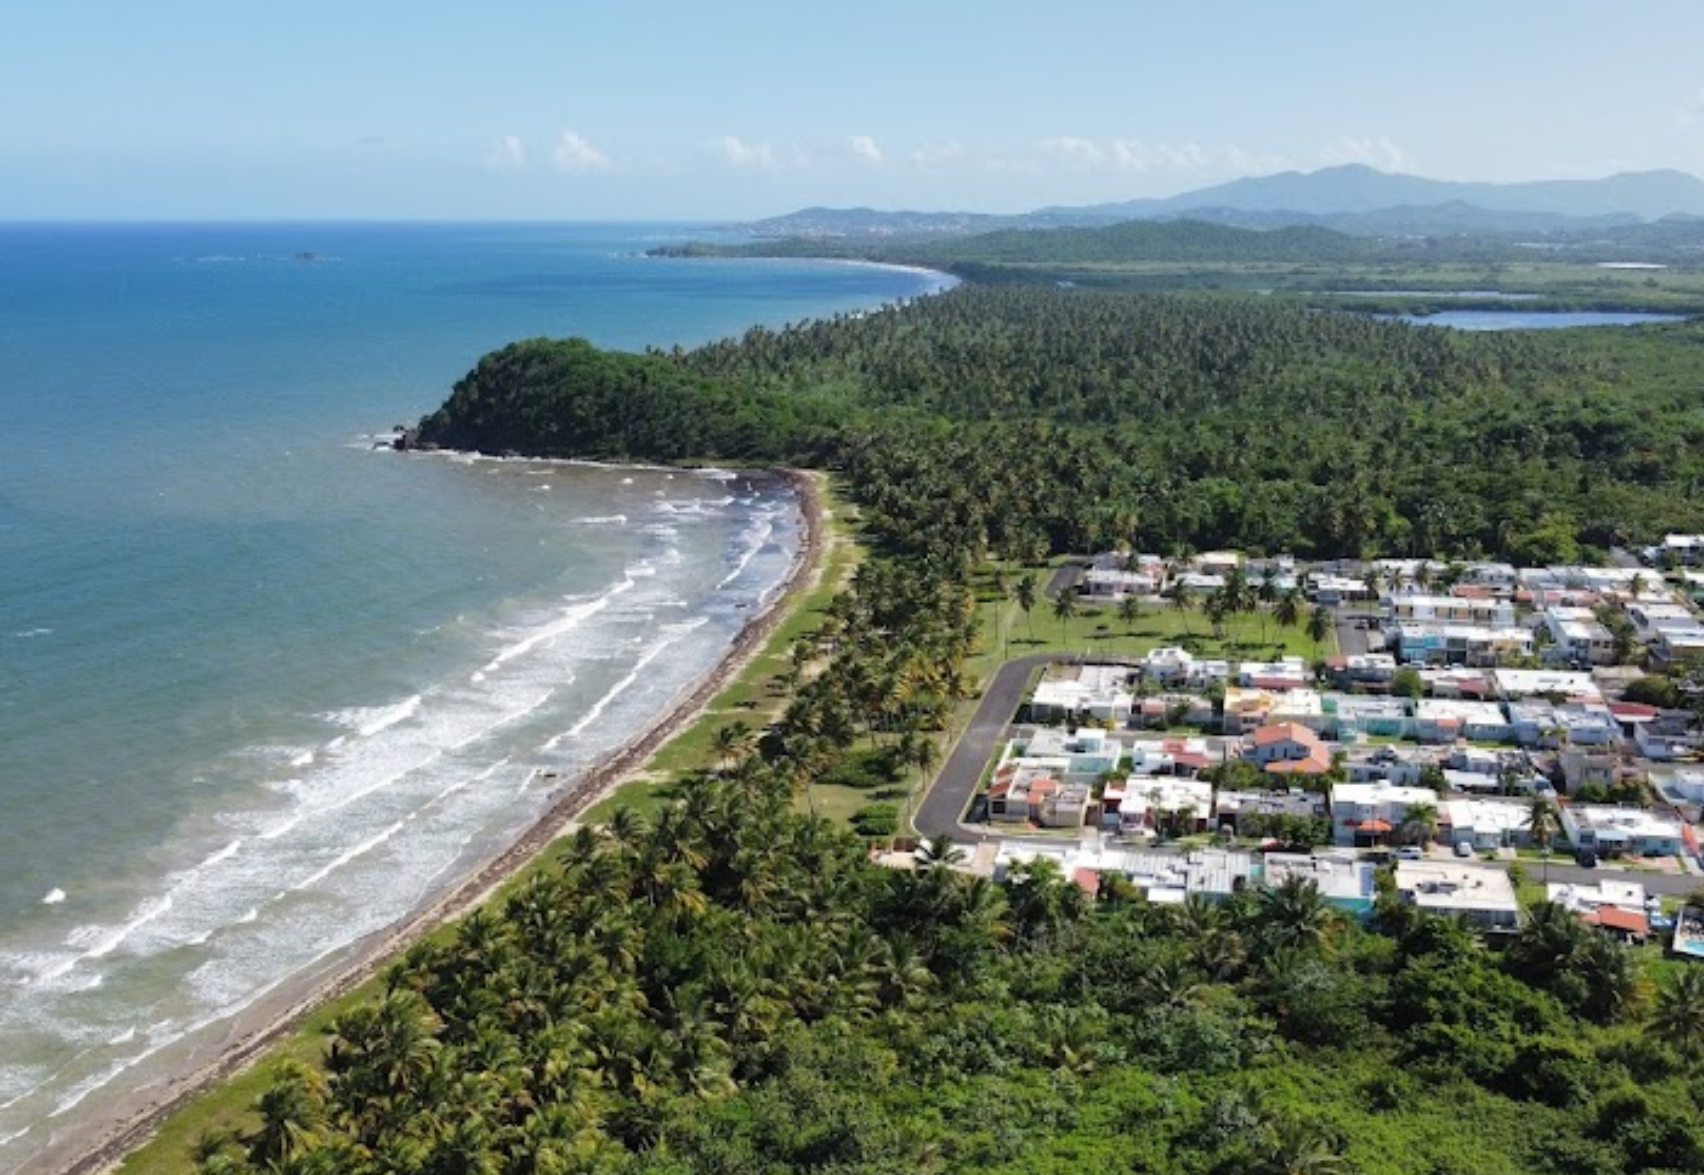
[[876, 820]]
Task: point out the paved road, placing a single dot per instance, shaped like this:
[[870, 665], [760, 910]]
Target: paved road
[[1068, 575], [954, 788]]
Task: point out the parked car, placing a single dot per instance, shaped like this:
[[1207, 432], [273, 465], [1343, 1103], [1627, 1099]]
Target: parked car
[[1409, 853], [1586, 858], [1464, 848]]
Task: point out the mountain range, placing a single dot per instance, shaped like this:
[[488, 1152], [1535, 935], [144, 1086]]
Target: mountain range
[[1352, 198]]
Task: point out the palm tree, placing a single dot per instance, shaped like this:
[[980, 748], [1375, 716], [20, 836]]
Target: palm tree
[[1026, 600], [1297, 1148], [1419, 824], [1064, 608], [1541, 826], [733, 741], [1679, 1014], [1129, 609], [1295, 914], [1182, 598], [1288, 612], [1319, 626], [1266, 595], [1217, 608]]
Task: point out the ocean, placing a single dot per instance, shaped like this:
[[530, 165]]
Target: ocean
[[264, 687]]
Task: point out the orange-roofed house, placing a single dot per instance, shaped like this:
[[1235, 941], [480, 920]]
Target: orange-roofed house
[[1288, 748]]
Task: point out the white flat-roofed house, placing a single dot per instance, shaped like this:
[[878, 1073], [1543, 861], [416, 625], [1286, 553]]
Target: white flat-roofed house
[[1650, 618], [1612, 829], [1148, 805], [1374, 670], [1331, 590], [1425, 609], [1172, 667], [1118, 584], [1539, 723], [1158, 711], [1352, 716], [1232, 808], [1343, 882], [1367, 813], [1458, 681], [1578, 637], [1484, 823], [1302, 706], [1444, 720], [1680, 550], [1675, 645], [1285, 674], [1101, 692], [1524, 683], [1403, 765], [1435, 643], [1483, 896], [1081, 754], [1500, 577]]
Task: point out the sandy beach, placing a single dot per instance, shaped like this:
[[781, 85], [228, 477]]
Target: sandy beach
[[100, 1144]]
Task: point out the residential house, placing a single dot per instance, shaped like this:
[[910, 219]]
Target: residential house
[[1232, 808], [1433, 643], [1149, 805], [1578, 638], [1288, 748], [1171, 756], [1611, 830], [1458, 682], [1539, 723], [1525, 683], [1343, 882], [1451, 889], [1367, 813], [1679, 550], [1404, 765], [1083, 754], [1067, 692], [1362, 670], [1031, 795], [1287, 673], [1114, 584], [1332, 590], [1484, 823], [1159, 711], [1428, 609], [1674, 645], [1349, 717], [1614, 906], [1174, 667], [1444, 720]]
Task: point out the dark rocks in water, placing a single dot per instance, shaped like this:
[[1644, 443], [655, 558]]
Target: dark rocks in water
[[407, 440]]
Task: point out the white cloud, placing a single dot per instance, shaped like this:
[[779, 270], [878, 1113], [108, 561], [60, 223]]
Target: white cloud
[[937, 155], [736, 152], [866, 149], [576, 154], [506, 154], [1377, 152], [1139, 157]]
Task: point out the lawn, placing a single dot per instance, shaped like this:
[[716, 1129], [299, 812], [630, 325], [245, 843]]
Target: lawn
[[1098, 629]]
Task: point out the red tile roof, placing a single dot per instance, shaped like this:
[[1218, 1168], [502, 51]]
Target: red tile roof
[[1373, 826], [1282, 731], [1637, 711], [1088, 879], [1630, 921], [1317, 763]]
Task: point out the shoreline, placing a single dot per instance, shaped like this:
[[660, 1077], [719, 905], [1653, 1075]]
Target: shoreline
[[102, 1144]]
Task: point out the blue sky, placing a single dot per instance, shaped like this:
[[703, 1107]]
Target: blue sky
[[678, 110]]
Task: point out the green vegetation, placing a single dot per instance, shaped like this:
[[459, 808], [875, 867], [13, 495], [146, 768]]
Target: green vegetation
[[731, 988], [1016, 421], [726, 985]]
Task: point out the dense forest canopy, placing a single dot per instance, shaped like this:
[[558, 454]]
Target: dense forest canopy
[[1076, 418], [733, 987]]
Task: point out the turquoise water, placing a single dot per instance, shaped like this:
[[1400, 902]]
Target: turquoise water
[[262, 687], [1532, 319]]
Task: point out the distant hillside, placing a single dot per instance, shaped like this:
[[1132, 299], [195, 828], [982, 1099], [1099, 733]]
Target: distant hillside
[[1353, 199], [1647, 195], [1147, 240]]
